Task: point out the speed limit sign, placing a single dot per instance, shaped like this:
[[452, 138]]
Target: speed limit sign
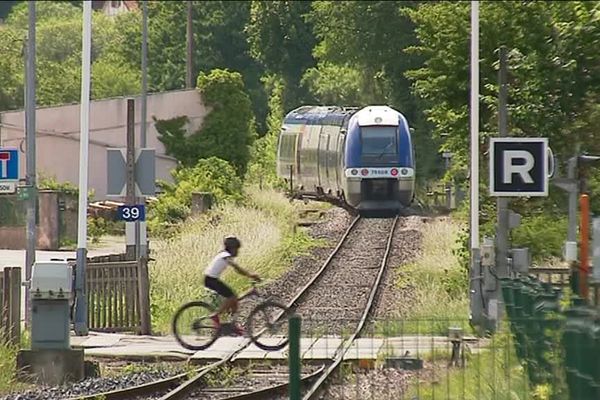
[[132, 213]]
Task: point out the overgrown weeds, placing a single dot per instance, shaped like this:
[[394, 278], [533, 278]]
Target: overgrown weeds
[[436, 283], [265, 225]]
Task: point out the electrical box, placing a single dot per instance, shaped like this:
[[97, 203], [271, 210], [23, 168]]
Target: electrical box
[[488, 256], [570, 251], [51, 280], [521, 260], [50, 309]]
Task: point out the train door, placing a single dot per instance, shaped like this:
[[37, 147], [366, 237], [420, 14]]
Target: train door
[[332, 161], [322, 157]]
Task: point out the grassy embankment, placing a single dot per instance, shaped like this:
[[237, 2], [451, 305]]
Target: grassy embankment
[[440, 288], [265, 225]]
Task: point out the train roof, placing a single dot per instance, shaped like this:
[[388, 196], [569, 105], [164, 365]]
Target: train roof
[[325, 115]]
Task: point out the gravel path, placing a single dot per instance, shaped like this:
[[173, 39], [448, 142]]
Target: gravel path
[[90, 386], [337, 300]]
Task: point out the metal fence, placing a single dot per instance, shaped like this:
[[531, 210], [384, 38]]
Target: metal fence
[[418, 359]]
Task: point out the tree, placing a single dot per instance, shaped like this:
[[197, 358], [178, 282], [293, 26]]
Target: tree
[[58, 55], [282, 40]]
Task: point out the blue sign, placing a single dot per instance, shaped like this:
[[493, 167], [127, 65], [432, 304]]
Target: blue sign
[[9, 164], [132, 213]]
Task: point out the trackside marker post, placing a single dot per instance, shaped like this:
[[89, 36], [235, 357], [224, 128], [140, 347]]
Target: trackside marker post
[[294, 357]]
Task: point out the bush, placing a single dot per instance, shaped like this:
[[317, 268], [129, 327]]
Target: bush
[[543, 234], [212, 175], [97, 228], [228, 130]]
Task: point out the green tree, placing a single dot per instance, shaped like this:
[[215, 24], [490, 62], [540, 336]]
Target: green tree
[[263, 166], [220, 43], [282, 40]]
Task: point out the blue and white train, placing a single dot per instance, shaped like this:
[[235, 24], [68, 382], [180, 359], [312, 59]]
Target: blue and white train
[[360, 158]]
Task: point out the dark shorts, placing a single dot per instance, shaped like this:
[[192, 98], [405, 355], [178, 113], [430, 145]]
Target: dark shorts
[[218, 286]]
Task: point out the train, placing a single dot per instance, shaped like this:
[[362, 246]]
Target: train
[[362, 159]]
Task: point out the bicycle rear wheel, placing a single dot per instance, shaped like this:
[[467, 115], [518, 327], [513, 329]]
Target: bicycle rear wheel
[[192, 326], [267, 326]]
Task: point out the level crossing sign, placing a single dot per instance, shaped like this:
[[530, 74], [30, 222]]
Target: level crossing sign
[[9, 164], [519, 167]]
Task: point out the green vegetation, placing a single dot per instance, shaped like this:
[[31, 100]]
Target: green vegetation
[[8, 360], [265, 225], [493, 373], [208, 175], [435, 281]]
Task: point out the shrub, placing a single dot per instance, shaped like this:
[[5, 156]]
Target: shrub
[[543, 234], [97, 228], [212, 175], [228, 130]]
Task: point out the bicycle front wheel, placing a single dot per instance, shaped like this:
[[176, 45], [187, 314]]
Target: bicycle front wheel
[[192, 326], [267, 326]]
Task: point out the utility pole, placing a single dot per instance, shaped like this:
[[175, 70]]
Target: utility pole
[[31, 187], [502, 203], [189, 81], [131, 250], [81, 312], [141, 227]]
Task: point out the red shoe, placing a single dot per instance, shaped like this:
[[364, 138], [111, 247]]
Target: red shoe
[[215, 319]]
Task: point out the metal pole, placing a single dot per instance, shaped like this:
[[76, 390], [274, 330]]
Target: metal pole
[[189, 80], [584, 204], [81, 312], [295, 364], [31, 154], [475, 268], [474, 125], [131, 250], [572, 175], [141, 228], [502, 238]]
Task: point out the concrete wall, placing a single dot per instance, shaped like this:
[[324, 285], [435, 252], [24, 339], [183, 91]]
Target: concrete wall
[[57, 130]]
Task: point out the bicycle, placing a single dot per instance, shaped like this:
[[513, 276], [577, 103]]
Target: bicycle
[[194, 329]]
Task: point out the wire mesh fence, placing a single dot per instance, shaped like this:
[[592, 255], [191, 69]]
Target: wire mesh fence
[[439, 359]]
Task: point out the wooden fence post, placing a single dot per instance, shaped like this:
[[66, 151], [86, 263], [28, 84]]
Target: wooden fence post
[[4, 305], [144, 296], [14, 312]]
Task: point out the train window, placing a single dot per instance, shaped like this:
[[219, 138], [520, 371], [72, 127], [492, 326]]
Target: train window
[[378, 139]]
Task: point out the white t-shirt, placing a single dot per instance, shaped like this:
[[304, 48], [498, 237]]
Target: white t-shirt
[[218, 265]]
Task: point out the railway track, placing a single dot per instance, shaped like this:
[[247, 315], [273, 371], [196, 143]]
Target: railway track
[[360, 259]]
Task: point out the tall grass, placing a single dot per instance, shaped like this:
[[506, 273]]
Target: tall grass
[[265, 227], [436, 282], [8, 355], [493, 373]]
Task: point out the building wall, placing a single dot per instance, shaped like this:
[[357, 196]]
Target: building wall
[[57, 134]]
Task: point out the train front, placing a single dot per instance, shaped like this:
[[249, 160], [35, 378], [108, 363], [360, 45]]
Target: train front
[[379, 166]]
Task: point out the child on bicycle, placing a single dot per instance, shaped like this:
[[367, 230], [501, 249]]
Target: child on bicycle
[[212, 281]]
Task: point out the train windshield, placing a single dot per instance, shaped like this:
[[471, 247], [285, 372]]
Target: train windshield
[[378, 140]]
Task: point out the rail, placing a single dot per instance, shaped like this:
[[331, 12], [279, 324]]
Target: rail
[[186, 386], [345, 346]]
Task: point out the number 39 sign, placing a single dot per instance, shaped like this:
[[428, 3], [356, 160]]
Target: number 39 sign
[[132, 213]]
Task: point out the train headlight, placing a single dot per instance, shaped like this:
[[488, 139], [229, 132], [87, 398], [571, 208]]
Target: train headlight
[[394, 172], [354, 171], [404, 171], [364, 172]]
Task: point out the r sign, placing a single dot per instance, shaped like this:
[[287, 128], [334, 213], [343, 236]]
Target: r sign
[[519, 166]]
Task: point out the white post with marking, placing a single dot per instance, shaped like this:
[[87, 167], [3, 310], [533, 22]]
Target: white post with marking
[[475, 125], [80, 323]]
